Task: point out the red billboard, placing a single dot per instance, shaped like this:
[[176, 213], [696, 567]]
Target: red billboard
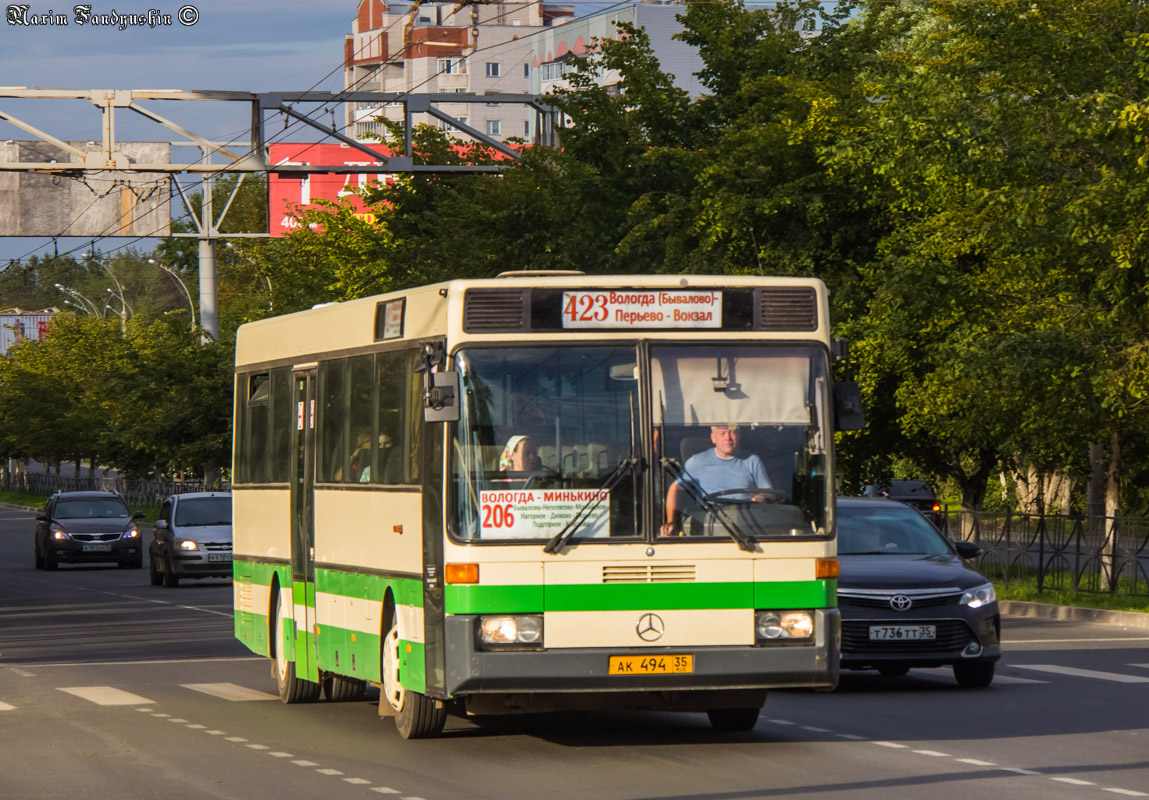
[[288, 194]]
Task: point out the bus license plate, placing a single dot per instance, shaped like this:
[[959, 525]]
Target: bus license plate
[[652, 665], [97, 548], [910, 632], [219, 556]]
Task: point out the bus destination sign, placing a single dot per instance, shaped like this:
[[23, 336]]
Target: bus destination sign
[[629, 308]]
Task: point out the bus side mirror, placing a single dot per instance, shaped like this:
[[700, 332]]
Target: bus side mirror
[[848, 413], [441, 397]]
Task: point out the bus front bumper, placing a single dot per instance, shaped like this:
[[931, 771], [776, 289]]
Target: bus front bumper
[[473, 671]]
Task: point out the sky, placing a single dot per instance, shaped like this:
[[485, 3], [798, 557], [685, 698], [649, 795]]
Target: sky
[[240, 45]]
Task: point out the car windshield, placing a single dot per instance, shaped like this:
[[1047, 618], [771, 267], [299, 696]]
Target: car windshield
[[901, 489], [886, 529], [201, 511], [91, 508]]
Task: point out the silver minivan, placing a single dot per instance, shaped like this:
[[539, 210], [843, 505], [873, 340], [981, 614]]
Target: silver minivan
[[191, 538]]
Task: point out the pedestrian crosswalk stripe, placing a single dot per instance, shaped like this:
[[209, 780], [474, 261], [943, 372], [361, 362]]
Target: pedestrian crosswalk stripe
[[1010, 680], [1083, 673], [229, 691], [106, 695]]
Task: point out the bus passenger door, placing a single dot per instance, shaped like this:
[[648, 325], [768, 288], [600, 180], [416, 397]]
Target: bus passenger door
[[303, 524]]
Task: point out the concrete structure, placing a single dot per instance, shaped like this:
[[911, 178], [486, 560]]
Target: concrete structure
[[101, 204]]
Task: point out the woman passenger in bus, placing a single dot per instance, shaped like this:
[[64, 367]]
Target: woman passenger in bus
[[521, 454]]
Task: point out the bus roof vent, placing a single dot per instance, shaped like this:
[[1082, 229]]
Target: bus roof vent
[[494, 310], [540, 273], [788, 308]]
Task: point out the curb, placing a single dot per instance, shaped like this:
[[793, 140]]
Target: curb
[[1126, 619]]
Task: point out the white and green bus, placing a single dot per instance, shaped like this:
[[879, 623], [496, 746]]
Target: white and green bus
[[516, 494]]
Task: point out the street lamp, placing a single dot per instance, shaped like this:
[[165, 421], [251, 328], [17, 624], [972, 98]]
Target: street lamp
[[85, 305], [183, 286]]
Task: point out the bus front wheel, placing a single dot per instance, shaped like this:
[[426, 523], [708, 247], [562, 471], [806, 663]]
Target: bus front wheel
[[291, 688], [416, 715]]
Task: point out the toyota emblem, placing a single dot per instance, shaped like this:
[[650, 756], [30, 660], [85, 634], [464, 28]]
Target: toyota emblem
[[900, 602], [650, 627]]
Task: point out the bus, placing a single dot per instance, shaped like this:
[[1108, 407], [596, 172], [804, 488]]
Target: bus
[[543, 491]]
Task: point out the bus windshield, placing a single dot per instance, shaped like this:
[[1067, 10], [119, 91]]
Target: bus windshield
[[543, 430], [743, 437]]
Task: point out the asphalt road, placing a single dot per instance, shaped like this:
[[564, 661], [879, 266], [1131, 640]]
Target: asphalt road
[[112, 688]]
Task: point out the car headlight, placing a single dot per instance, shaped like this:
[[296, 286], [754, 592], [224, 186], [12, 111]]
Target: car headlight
[[132, 533], [58, 532], [979, 596], [186, 544], [788, 626], [511, 631]]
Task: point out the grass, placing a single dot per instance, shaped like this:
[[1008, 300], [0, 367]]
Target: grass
[[1027, 591], [24, 499]]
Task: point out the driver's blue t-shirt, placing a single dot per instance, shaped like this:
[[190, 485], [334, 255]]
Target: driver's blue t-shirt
[[713, 474]]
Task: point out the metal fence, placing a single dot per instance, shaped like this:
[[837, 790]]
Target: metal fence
[[140, 495], [1104, 555]]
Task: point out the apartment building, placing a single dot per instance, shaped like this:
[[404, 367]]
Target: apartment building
[[520, 48], [429, 48]]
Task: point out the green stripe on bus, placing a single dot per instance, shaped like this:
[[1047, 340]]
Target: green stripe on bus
[[636, 597]]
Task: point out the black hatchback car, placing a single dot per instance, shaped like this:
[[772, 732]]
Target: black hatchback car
[[909, 598], [87, 527]]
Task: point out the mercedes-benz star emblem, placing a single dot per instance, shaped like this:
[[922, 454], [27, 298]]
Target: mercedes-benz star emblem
[[900, 602], [650, 627]]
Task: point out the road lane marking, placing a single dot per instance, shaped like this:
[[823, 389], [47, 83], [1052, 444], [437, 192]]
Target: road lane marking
[[236, 739], [229, 691], [106, 695], [934, 753], [781, 722], [1010, 680], [1140, 666], [893, 745], [1083, 673], [5, 707], [1020, 771], [304, 763], [1126, 792], [280, 755], [356, 781], [136, 663], [384, 790], [852, 737], [1073, 781], [815, 729], [22, 673], [328, 771], [977, 762], [1074, 641]]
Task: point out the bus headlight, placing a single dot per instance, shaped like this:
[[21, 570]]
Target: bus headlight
[[519, 630], [783, 626]]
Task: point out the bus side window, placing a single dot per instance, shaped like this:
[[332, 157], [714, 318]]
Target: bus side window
[[393, 445], [332, 438]]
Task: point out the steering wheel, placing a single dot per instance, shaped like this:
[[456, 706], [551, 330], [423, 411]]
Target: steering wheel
[[750, 495]]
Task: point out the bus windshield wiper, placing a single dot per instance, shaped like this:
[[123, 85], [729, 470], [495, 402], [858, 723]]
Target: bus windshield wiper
[[590, 506], [709, 506]]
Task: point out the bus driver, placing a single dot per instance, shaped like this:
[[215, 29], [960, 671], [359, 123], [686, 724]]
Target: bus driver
[[712, 471]]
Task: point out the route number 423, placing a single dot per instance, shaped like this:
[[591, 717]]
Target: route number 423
[[586, 308]]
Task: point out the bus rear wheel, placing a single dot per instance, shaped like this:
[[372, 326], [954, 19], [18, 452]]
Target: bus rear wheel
[[338, 689], [416, 715], [733, 719], [291, 688]]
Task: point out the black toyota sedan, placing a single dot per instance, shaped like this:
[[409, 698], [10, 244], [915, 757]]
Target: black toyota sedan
[[910, 598]]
